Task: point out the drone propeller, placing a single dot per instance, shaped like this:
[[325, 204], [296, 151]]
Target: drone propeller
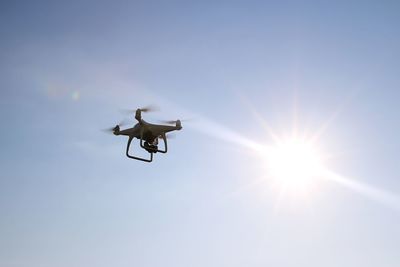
[[168, 122], [149, 108], [174, 121], [112, 129], [108, 130]]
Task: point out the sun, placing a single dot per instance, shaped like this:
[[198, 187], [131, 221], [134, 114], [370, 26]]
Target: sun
[[295, 165]]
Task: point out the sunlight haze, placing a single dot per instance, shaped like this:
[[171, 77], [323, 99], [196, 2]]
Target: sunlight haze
[[288, 156]]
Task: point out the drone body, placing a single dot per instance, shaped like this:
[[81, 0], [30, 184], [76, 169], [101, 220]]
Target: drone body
[[148, 134]]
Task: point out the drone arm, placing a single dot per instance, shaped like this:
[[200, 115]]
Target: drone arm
[[138, 115], [133, 157]]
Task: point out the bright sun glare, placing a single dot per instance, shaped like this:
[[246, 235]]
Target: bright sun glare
[[295, 165]]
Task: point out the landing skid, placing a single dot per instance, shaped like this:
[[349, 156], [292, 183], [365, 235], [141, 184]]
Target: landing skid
[[141, 145], [134, 157]]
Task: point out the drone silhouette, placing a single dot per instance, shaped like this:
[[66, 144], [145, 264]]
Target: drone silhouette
[[147, 133]]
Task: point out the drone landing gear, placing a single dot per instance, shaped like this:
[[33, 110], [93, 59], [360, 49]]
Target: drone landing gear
[[137, 158], [151, 148], [164, 138]]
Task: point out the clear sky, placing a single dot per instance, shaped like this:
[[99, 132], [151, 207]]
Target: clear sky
[[70, 197]]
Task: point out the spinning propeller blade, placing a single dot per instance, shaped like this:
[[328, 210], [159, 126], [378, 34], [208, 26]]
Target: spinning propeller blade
[[112, 129], [108, 130], [148, 108], [168, 122], [173, 122]]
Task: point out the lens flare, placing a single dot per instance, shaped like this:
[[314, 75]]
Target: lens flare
[[294, 164]]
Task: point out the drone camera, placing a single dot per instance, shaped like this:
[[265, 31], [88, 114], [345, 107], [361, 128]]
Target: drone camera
[[151, 148]]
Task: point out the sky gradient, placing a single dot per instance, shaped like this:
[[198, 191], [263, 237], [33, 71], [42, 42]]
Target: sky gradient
[[70, 197]]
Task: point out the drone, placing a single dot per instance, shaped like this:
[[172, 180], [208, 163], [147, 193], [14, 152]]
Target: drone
[[148, 134]]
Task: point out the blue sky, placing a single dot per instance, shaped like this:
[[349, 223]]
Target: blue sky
[[70, 197]]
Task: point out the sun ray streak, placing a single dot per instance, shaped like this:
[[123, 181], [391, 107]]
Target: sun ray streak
[[216, 130], [223, 133], [295, 112], [367, 190], [264, 124], [347, 100], [246, 102]]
